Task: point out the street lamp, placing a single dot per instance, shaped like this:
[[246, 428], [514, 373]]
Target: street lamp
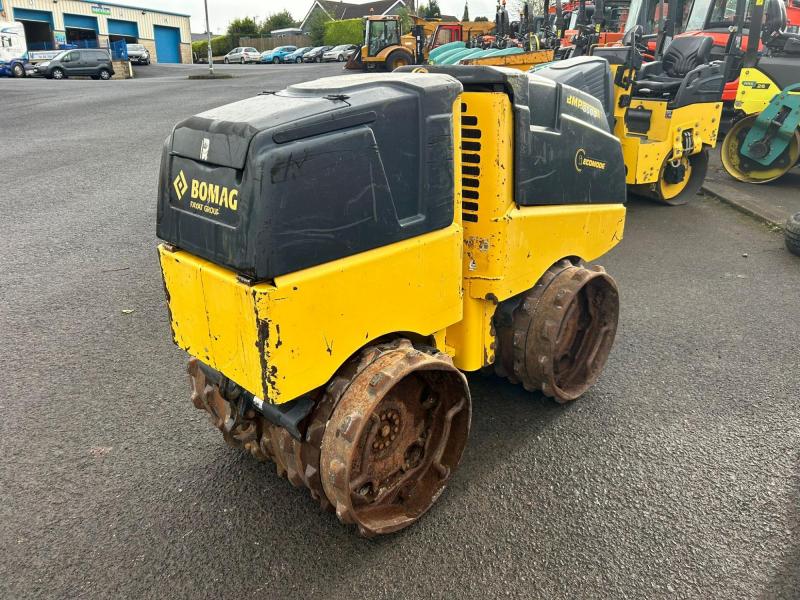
[[210, 53]]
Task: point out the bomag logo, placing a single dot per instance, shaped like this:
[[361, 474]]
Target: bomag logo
[[581, 161], [206, 197], [180, 185], [583, 106]]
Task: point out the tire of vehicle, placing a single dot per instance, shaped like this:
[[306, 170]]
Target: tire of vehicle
[[225, 60], [318, 59], [147, 62], [18, 70], [104, 74], [398, 58], [340, 58], [58, 73], [298, 60], [791, 234], [244, 62], [275, 61]]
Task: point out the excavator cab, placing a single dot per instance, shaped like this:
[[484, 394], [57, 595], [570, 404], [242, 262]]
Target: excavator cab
[[381, 34]]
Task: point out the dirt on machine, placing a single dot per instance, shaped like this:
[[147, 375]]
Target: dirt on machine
[[337, 256]]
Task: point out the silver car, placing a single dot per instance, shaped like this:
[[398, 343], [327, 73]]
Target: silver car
[[243, 55], [339, 53], [138, 54]]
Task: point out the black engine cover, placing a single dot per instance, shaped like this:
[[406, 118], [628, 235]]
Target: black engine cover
[[325, 169], [564, 151]]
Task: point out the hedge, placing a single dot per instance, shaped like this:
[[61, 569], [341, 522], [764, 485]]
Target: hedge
[[220, 46], [350, 31]]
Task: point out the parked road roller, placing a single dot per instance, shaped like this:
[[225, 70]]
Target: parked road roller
[[764, 141], [338, 254]]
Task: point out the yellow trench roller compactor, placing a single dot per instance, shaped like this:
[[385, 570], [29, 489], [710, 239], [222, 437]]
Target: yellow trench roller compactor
[[338, 253]]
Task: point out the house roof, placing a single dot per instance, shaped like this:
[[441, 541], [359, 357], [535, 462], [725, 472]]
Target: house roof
[[349, 10], [339, 11]]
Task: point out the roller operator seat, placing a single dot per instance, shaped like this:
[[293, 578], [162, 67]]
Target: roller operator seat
[[662, 79]]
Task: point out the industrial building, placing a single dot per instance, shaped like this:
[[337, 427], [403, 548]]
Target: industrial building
[[53, 24]]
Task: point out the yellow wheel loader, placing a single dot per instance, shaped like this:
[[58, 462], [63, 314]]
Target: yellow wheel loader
[[386, 47], [764, 141], [336, 255]]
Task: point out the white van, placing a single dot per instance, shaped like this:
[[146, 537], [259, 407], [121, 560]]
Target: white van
[[13, 49]]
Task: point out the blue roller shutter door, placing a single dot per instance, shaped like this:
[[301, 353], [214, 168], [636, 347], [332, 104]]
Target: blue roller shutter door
[[168, 42], [80, 22], [123, 28]]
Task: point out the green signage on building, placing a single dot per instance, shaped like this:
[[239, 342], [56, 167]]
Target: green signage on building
[[100, 10]]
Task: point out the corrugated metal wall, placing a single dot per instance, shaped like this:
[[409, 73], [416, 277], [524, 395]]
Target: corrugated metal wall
[[145, 18]]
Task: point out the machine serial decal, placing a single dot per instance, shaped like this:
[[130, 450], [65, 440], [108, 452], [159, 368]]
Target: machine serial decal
[[581, 161], [756, 85], [211, 196], [583, 106]]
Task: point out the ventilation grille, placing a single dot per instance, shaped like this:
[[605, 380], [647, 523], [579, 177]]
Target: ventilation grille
[[470, 165]]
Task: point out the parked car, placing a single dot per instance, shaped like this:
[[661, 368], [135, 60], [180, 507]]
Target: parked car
[[138, 54], [339, 53], [315, 54], [276, 55], [296, 56], [88, 62], [242, 55]]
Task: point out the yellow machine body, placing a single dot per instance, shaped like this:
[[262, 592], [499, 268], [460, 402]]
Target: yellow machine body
[[645, 150], [756, 90], [283, 338]]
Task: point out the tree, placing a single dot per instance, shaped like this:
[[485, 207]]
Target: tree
[[465, 16], [243, 27], [279, 20], [430, 11], [316, 28], [405, 19], [536, 7], [481, 19]]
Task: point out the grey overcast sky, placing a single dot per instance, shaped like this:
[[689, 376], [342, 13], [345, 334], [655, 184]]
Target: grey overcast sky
[[223, 12]]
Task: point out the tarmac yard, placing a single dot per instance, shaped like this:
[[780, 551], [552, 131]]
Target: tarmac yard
[[676, 476]]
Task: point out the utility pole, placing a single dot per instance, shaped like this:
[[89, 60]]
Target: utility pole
[[210, 53]]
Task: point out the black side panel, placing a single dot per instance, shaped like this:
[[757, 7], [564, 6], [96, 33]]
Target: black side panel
[[329, 196], [317, 172], [577, 161], [590, 74], [564, 151], [783, 70]]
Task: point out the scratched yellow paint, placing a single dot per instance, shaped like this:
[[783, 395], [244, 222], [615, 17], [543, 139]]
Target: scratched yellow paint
[[284, 338], [509, 247]]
